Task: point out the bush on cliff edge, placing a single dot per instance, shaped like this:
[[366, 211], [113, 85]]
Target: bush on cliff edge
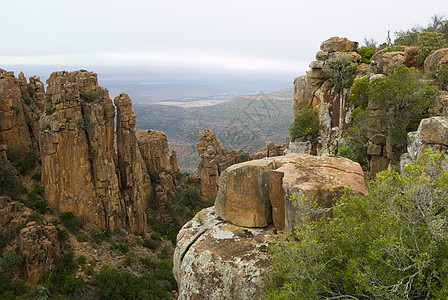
[[389, 244]]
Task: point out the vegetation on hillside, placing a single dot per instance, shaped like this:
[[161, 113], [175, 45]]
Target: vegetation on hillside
[[245, 122], [389, 244], [404, 101]]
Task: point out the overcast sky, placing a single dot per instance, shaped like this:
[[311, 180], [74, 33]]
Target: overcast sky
[[265, 35]]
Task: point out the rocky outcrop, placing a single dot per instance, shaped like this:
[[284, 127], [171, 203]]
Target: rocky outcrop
[[214, 159], [218, 260], [14, 131], [222, 254], [270, 150], [378, 153], [329, 103], [134, 178], [383, 62], [436, 60], [76, 142], [246, 196], [154, 148], [36, 243], [432, 134], [80, 171]]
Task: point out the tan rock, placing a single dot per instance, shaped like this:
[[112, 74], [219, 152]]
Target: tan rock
[[243, 197], [134, 178], [246, 189], [436, 59], [378, 164], [154, 148], [214, 159], [218, 260], [337, 44]]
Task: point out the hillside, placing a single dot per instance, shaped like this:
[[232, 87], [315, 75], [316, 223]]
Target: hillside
[[245, 122]]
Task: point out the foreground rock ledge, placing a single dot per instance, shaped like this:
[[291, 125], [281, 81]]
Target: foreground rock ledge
[[258, 192], [218, 260]]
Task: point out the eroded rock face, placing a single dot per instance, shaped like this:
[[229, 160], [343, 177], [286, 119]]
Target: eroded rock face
[[432, 134], [36, 243], [218, 260], [436, 60], [14, 130], [134, 178], [330, 104], [243, 196], [214, 159], [247, 194], [386, 62], [154, 148], [76, 142], [79, 168]]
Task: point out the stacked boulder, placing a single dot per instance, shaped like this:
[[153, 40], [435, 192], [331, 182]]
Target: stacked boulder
[[222, 252], [329, 102]]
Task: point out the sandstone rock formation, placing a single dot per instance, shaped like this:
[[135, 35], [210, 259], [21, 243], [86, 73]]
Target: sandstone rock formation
[[329, 103], [270, 150], [134, 178], [214, 159], [218, 260], [76, 142], [221, 253], [154, 148], [80, 171], [435, 60], [432, 134], [246, 196], [377, 150], [36, 243], [384, 62], [14, 130]]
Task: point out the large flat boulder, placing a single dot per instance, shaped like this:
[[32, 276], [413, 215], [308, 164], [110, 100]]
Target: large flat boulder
[[218, 260], [255, 193]]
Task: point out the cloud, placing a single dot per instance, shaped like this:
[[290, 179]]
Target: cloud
[[187, 58]]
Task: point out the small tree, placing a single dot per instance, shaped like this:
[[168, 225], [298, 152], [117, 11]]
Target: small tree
[[339, 71], [306, 124], [428, 42]]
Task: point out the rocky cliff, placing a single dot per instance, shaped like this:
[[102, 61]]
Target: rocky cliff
[[214, 159], [89, 167], [222, 252]]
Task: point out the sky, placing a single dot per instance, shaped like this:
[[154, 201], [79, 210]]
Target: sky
[[280, 36]]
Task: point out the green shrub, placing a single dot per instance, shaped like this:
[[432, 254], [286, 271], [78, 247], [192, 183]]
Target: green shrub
[[26, 99], [153, 175], [82, 260], [428, 42], [23, 161], [11, 260], [389, 244], [366, 53], [70, 221], [359, 94], [306, 124], [339, 71], [13, 289], [122, 247], [62, 234], [84, 124], [442, 76], [189, 198], [242, 156], [36, 177], [62, 277], [166, 223], [82, 237], [151, 243], [9, 181], [115, 285], [90, 97], [49, 108]]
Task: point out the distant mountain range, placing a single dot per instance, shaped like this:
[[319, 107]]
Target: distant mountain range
[[245, 122]]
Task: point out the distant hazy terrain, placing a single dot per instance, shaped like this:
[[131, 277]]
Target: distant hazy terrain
[[245, 122]]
